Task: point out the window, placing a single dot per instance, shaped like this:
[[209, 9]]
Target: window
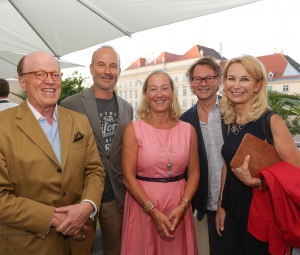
[[125, 94], [120, 85], [270, 87], [135, 105], [177, 91], [121, 94], [130, 84], [130, 94], [286, 88], [184, 78], [184, 103], [136, 94], [184, 91], [125, 85], [193, 102], [176, 79], [136, 83]]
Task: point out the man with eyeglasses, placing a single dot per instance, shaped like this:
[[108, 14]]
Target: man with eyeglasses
[[52, 177], [204, 77], [108, 114]]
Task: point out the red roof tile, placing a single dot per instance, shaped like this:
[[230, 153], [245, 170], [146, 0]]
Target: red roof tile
[[194, 52], [136, 64], [275, 63], [168, 57]]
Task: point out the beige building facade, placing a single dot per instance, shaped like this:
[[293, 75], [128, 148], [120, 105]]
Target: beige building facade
[[131, 80], [283, 74]]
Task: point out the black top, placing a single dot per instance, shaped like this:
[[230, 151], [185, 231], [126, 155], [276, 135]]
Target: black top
[[236, 195], [108, 115]]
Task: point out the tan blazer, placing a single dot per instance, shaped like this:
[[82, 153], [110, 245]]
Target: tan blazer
[[33, 184]]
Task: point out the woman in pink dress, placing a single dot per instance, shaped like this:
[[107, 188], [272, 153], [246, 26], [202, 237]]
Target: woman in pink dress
[[157, 150]]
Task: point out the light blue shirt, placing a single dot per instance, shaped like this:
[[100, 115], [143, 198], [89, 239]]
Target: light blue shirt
[[51, 131], [213, 141]]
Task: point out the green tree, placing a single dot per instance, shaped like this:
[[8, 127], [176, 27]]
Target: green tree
[[72, 85], [288, 107]]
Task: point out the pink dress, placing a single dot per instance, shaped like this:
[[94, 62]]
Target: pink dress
[[139, 235]]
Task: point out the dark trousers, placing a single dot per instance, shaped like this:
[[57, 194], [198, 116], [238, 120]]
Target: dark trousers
[[215, 239], [236, 240]]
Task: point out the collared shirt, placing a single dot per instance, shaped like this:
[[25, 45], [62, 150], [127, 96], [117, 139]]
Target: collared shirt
[[52, 133], [5, 104], [213, 141]]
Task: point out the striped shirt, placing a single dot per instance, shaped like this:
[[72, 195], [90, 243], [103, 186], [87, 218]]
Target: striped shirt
[[213, 141]]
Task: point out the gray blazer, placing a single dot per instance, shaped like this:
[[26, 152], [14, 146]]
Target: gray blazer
[[85, 103]]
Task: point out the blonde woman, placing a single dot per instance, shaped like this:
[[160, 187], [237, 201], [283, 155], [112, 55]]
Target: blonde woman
[[156, 151], [243, 104]]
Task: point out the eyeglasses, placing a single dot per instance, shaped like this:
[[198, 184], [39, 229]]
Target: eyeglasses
[[43, 75], [208, 79]]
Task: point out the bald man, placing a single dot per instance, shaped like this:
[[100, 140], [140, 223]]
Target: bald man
[[52, 178]]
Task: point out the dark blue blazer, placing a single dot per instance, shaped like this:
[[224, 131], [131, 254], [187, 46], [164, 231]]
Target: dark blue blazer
[[199, 201]]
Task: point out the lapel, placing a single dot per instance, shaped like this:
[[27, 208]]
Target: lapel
[[194, 120], [91, 111], [30, 126], [65, 133]]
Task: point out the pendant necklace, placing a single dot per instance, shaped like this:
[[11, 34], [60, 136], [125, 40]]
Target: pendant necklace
[[236, 128], [169, 165]]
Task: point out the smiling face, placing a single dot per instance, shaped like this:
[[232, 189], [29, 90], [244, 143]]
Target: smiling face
[[239, 85], [105, 69], [159, 93], [204, 90], [41, 94]]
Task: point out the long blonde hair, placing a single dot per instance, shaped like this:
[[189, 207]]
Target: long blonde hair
[[143, 110], [260, 100]]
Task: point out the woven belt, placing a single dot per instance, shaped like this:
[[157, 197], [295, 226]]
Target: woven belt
[[167, 179]]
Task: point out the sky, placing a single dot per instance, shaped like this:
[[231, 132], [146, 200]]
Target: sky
[[255, 29]]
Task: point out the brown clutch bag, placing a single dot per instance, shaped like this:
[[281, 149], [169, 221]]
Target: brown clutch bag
[[261, 154]]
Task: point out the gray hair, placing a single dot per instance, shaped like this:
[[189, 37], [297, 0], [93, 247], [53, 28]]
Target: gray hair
[[107, 46]]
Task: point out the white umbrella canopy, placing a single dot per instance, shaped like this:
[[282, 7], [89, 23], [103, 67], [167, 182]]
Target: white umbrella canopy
[[64, 26], [10, 60]]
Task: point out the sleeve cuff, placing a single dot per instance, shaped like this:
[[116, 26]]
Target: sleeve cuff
[[94, 212]]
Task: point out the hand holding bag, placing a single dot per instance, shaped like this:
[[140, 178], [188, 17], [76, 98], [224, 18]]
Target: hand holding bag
[[261, 154]]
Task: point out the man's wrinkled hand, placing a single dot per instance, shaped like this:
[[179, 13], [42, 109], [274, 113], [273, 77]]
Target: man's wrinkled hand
[[77, 216]]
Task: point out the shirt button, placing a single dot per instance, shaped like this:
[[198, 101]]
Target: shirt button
[[63, 194], [59, 170]]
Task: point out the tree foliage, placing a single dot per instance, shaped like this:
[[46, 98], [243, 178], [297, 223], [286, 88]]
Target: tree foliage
[[72, 85], [288, 107], [21, 94]]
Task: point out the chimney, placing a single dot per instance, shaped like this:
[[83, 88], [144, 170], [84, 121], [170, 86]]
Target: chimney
[[275, 51], [221, 49], [282, 52]]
